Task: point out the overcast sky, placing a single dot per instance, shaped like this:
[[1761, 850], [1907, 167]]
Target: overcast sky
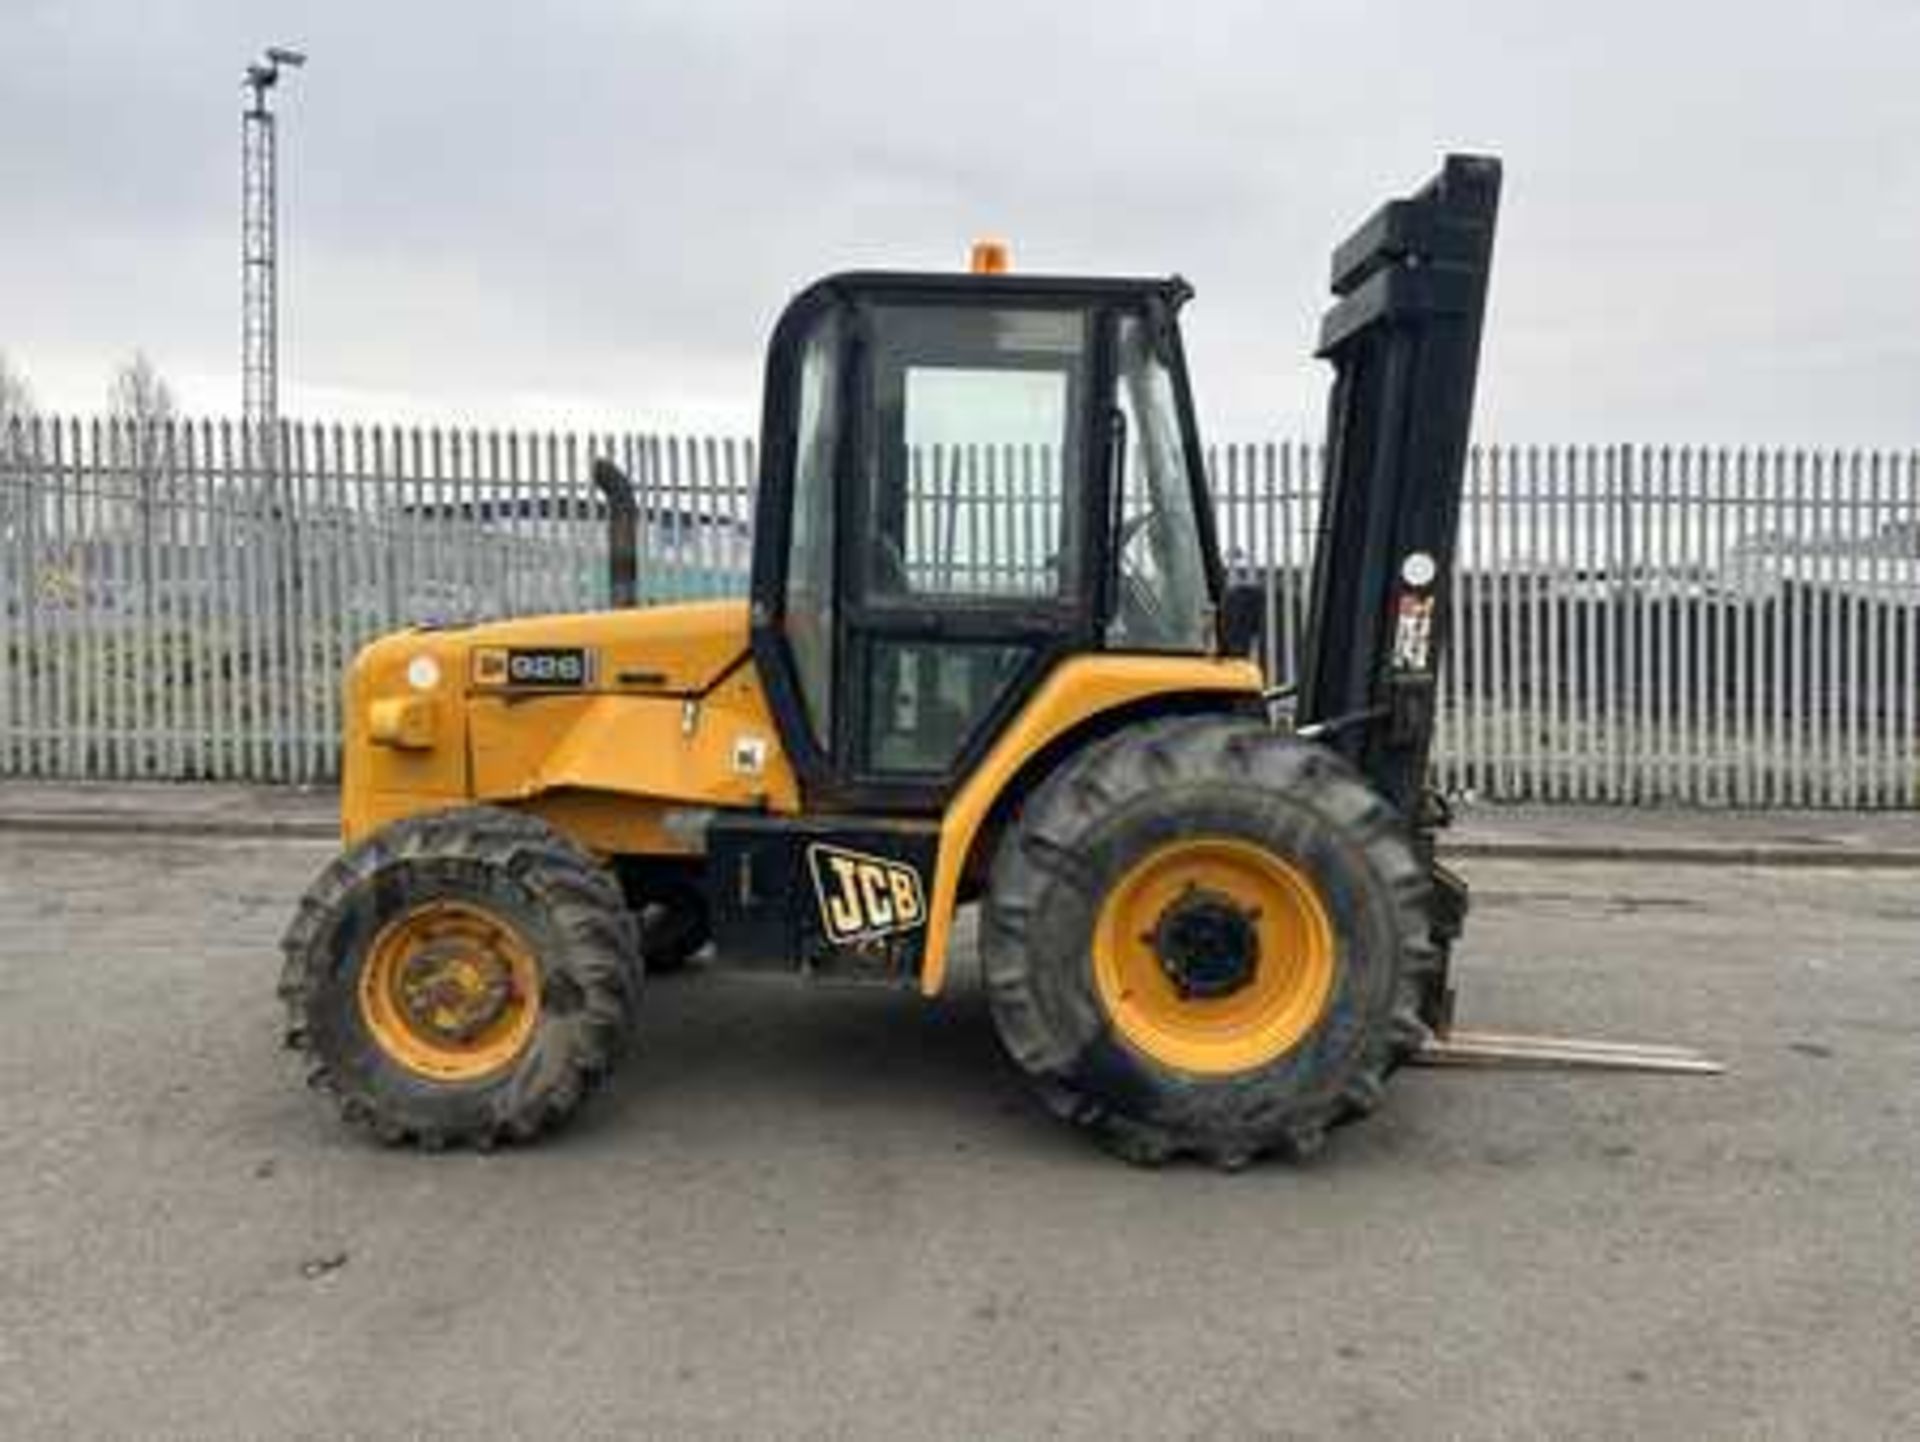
[[590, 211]]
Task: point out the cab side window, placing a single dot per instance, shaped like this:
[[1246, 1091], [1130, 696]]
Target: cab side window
[[970, 513], [810, 611]]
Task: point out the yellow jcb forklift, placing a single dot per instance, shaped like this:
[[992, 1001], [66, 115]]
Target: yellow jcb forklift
[[1211, 920]]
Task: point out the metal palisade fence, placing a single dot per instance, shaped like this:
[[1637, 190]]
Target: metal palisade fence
[[1631, 624]]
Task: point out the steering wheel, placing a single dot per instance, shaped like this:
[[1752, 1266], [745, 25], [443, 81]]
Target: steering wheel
[[1135, 526], [1141, 609], [888, 567]]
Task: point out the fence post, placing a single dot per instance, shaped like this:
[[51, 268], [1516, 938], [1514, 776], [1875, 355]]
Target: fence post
[[1710, 625]]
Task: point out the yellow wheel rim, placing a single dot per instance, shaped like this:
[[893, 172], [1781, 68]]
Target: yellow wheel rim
[[1213, 956], [450, 992]]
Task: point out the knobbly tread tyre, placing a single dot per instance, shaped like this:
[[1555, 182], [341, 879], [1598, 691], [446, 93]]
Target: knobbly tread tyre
[[670, 937], [561, 899], [1116, 801]]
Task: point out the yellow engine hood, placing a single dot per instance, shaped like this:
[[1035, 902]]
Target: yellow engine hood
[[678, 648]]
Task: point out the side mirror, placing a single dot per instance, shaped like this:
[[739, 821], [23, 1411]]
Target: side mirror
[[1243, 611]]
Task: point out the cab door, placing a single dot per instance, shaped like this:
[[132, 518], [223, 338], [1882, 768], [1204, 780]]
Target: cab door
[[965, 564], [939, 549]]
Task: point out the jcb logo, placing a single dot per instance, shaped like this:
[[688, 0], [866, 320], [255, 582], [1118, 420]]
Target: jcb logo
[[861, 896]]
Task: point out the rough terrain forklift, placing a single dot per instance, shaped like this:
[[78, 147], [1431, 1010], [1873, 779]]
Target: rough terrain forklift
[[1205, 926]]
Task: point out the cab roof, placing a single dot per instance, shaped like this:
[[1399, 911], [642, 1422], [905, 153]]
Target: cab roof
[[1174, 290]]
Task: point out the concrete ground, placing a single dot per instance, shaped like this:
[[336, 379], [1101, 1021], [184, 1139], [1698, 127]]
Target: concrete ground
[[836, 1214]]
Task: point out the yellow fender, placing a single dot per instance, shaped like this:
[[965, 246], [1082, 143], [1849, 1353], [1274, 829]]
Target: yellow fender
[[1081, 690]]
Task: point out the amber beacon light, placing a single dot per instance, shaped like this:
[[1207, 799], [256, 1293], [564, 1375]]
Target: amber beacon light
[[989, 257]]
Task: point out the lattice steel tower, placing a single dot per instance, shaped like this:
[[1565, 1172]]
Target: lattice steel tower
[[259, 237]]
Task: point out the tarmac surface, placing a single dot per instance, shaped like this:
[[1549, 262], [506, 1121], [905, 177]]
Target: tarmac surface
[[821, 1213]]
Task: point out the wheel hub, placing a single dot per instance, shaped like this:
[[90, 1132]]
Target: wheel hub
[[1207, 945], [1213, 954], [453, 993], [450, 991]]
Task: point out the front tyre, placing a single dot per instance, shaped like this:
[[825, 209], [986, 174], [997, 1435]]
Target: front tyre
[[1204, 937], [464, 977]]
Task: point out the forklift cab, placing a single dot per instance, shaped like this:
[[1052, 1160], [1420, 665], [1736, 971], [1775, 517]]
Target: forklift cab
[[966, 478]]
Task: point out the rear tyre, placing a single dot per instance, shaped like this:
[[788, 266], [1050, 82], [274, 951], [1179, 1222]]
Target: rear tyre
[[1204, 937], [465, 977]]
